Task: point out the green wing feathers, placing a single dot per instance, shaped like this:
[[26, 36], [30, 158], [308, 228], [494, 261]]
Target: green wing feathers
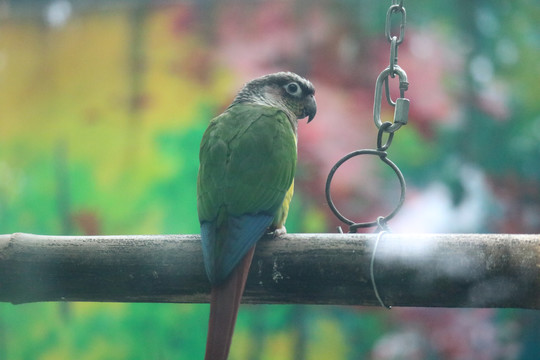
[[248, 160]]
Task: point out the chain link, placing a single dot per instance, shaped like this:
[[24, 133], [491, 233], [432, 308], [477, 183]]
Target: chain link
[[401, 111], [395, 8]]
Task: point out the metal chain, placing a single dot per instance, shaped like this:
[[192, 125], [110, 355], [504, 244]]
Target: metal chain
[[401, 112]]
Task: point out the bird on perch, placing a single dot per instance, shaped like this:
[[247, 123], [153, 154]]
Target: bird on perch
[[244, 187]]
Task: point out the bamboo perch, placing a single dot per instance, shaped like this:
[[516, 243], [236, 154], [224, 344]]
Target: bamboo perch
[[428, 270]]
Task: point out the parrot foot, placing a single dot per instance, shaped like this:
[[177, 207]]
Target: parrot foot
[[279, 232]]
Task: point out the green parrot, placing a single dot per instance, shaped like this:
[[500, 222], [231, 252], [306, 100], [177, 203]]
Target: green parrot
[[245, 184]]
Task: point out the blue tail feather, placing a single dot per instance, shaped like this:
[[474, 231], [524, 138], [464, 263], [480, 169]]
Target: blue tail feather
[[240, 234]]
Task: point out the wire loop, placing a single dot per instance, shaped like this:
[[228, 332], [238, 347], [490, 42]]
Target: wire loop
[[371, 268]]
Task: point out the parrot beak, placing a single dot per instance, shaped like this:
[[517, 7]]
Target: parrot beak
[[311, 108]]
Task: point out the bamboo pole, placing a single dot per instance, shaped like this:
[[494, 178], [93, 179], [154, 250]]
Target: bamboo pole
[[427, 270]]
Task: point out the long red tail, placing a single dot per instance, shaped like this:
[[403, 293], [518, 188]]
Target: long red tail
[[224, 303]]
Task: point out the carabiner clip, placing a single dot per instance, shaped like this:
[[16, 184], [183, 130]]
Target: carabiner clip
[[401, 111]]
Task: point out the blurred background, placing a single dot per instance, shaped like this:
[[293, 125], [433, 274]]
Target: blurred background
[[103, 104]]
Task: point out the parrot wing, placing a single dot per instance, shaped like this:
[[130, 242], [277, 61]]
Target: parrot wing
[[248, 160]]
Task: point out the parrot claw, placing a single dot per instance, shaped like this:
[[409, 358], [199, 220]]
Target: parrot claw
[[279, 232]]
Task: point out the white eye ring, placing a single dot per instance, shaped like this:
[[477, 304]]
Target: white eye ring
[[293, 89]]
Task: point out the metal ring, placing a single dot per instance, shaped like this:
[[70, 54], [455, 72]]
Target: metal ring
[[383, 156]]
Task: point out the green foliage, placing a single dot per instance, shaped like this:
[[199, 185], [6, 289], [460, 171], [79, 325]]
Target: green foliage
[[102, 331]]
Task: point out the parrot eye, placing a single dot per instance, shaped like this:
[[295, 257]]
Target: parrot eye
[[293, 89]]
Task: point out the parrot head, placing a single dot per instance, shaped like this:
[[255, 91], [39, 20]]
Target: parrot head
[[285, 90]]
